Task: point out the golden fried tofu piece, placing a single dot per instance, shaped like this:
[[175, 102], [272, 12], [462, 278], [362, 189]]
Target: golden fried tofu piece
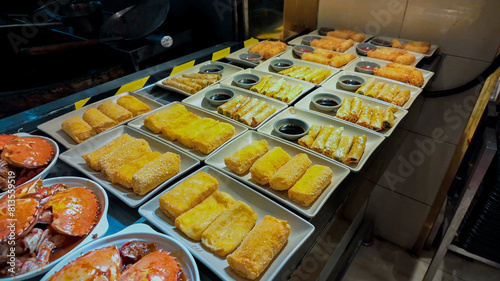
[[175, 128], [244, 158], [78, 129], [97, 120], [311, 185], [194, 129], [115, 111], [214, 137], [259, 247], [265, 167], [92, 158], [155, 172], [195, 221], [288, 174], [124, 175], [225, 234], [133, 105], [109, 164], [156, 121], [188, 194]]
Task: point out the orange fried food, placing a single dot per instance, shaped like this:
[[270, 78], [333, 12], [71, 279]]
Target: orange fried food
[[396, 44], [418, 46], [312, 57], [398, 56], [392, 73], [347, 34], [100, 264], [416, 78], [405, 59], [28, 152], [158, 265], [75, 211], [268, 49]]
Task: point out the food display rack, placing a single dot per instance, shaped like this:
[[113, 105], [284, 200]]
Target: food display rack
[[332, 233]]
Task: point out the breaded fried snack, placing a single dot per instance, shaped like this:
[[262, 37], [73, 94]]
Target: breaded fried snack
[[214, 137], [110, 163], [155, 172], [259, 247], [225, 234], [156, 121], [195, 221], [78, 129], [265, 167], [188, 194], [244, 158], [193, 130], [357, 149], [124, 175], [174, 129], [311, 185], [307, 140], [115, 111], [97, 120], [92, 158], [288, 174], [133, 105]]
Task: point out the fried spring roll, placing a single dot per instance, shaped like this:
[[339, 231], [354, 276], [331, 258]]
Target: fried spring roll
[[405, 59], [416, 78], [214, 137], [193, 130], [325, 53], [92, 158], [114, 111], [344, 111], [187, 81], [261, 116], [287, 175], [172, 130], [110, 163], [377, 118], [265, 167], [363, 90], [155, 172], [396, 43], [290, 70], [281, 94], [247, 118], [357, 149], [97, 120], [311, 185], [207, 76], [333, 141], [417, 49], [259, 247], [133, 105], [244, 158], [392, 73], [187, 194], [384, 92], [342, 60], [313, 57], [401, 98], [271, 92], [389, 117], [319, 143], [233, 106], [196, 220], [293, 93], [259, 87], [355, 109], [373, 92], [307, 140], [389, 95], [245, 108], [185, 88], [156, 121], [365, 117], [124, 174], [344, 147], [78, 129]]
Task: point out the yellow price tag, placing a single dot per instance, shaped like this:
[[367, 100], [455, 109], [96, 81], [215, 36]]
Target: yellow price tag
[[221, 54], [250, 42], [80, 104], [132, 86], [182, 67]]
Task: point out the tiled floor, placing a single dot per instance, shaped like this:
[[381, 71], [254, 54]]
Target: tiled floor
[[386, 262]]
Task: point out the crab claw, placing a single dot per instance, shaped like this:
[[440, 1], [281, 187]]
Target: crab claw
[[158, 265], [75, 211]]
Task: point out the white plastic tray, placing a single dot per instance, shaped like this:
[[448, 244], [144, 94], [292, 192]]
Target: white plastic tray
[[141, 232], [229, 70], [367, 36], [306, 104], [199, 100], [404, 41], [266, 66], [53, 127], [99, 230], [352, 67], [339, 172], [139, 124], [300, 229], [292, 81], [235, 57], [73, 157], [332, 83], [373, 140]]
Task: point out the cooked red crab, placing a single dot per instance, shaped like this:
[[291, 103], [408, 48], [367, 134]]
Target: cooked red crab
[[28, 152], [158, 265], [5, 139], [19, 220]]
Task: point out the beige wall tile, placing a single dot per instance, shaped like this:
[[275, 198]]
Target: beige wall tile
[[460, 27], [397, 218], [372, 17]]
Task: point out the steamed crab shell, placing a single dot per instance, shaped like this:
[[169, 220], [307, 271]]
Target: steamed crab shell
[[5, 139], [158, 265], [28, 152], [75, 211], [25, 216], [100, 264]]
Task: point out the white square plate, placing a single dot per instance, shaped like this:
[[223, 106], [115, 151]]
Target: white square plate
[[53, 127], [300, 229], [235, 57], [199, 100], [306, 104], [404, 41], [373, 140], [339, 172], [139, 124], [73, 157], [332, 83]]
